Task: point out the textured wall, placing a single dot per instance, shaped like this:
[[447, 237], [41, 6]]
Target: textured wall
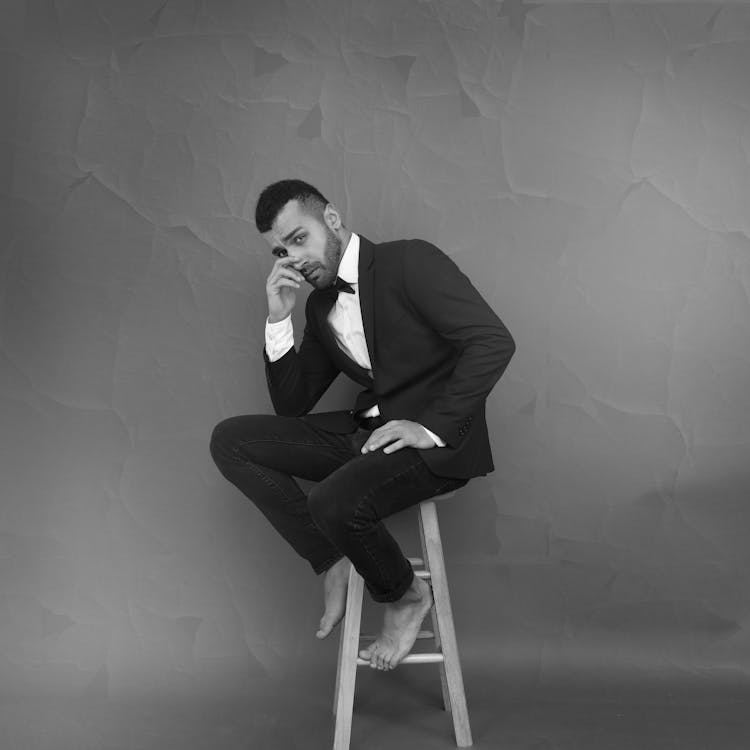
[[586, 165]]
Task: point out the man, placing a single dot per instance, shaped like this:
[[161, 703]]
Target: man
[[405, 323]]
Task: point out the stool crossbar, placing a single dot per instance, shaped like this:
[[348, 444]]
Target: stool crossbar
[[430, 566]]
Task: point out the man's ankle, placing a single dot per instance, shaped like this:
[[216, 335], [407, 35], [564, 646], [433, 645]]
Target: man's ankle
[[414, 593]]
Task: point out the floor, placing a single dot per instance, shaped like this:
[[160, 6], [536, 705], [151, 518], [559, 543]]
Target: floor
[[509, 710]]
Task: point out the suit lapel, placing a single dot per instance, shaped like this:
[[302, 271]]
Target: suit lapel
[[366, 297]]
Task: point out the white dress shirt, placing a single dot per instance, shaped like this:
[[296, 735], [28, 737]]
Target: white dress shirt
[[345, 320]]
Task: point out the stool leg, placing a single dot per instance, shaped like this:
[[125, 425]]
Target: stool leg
[[436, 565], [342, 640], [433, 617], [346, 673]]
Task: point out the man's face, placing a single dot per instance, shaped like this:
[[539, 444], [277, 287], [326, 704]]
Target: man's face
[[309, 241]]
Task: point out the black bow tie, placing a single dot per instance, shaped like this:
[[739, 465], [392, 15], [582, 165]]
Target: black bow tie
[[338, 286]]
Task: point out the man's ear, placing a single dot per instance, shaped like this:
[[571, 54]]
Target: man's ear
[[332, 217]]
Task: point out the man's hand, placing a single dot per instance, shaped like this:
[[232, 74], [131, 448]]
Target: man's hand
[[281, 286], [397, 434]]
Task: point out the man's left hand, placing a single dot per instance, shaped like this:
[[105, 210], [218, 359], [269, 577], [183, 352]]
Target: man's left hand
[[397, 434]]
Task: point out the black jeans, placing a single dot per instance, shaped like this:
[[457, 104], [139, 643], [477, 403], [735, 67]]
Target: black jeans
[[342, 514]]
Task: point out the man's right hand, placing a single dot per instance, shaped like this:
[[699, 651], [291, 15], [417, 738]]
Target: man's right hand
[[281, 286]]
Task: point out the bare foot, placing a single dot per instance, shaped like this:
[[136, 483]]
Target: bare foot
[[400, 627], [334, 593]]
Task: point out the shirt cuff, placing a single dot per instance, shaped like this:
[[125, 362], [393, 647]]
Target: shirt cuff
[[279, 338], [438, 441]]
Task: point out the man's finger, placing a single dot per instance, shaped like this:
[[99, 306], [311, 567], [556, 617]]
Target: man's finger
[[375, 435], [287, 260], [283, 277], [379, 437], [397, 446], [284, 264], [385, 435], [288, 273]]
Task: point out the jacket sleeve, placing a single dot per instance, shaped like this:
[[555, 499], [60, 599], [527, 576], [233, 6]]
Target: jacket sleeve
[[297, 380], [450, 304]]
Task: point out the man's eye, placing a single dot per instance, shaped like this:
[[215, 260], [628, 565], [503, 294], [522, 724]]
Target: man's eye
[[300, 237]]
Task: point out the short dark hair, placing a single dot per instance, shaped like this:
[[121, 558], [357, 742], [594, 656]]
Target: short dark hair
[[277, 195]]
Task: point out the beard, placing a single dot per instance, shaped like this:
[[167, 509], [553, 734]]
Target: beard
[[325, 272]]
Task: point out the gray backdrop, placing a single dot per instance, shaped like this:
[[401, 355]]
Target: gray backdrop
[[585, 164]]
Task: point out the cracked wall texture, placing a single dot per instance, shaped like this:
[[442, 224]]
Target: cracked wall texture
[[586, 165]]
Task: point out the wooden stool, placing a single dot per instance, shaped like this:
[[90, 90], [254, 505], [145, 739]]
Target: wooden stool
[[443, 633]]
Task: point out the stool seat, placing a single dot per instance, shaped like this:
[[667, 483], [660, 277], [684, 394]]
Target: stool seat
[[430, 566]]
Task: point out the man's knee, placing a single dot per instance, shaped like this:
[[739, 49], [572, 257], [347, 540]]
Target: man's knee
[[232, 433], [220, 443]]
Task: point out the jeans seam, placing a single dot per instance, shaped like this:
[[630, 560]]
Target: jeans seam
[[257, 468], [265, 478], [278, 441], [367, 496]]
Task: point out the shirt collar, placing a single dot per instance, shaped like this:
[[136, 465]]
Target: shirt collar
[[349, 263]]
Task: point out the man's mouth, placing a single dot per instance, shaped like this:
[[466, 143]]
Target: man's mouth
[[310, 273]]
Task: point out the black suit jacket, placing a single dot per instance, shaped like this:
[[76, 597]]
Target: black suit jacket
[[435, 345]]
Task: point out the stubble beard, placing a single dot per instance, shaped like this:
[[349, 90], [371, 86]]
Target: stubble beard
[[331, 256]]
